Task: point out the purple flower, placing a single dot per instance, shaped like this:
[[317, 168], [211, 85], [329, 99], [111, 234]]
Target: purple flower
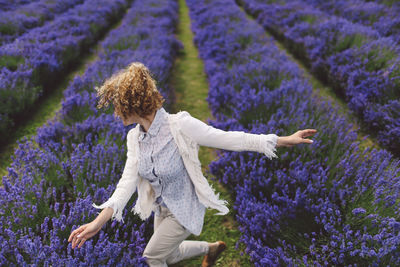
[[358, 211]]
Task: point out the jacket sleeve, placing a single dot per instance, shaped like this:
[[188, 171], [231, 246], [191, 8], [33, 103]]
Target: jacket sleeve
[[126, 185], [207, 135]]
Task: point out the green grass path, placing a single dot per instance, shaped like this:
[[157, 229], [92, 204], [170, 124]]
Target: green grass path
[[191, 89]]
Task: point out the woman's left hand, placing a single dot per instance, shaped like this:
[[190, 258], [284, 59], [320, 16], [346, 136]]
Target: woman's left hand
[[296, 138], [83, 233]]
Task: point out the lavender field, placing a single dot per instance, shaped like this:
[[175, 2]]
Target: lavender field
[[330, 203]]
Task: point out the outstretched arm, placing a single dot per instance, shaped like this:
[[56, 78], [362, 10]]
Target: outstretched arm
[[113, 207], [207, 135], [126, 185]]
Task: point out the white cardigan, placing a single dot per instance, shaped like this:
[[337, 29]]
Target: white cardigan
[[188, 133]]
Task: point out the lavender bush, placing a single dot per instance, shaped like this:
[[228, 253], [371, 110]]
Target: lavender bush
[[78, 158], [393, 4], [322, 204], [383, 19], [36, 60], [361, 66], [7, 5], [16, 22]]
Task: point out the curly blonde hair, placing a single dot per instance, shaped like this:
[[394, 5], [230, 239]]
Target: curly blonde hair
[[131, 90]]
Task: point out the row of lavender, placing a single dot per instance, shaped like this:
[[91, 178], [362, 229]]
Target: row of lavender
[[385, 20], [7, 5], [78, 159], [322, 204], [392, 4], [354, 59], [36, 60], [16, 22]]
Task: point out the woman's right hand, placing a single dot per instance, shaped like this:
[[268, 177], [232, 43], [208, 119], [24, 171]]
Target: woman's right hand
[[83, 233], [296, 138]]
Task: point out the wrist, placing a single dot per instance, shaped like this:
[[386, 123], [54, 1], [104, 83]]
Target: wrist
[[279, 141], [104, 216], [282, 141]]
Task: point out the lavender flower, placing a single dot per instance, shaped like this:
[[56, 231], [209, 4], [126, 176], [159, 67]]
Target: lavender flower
[[77, 158], [292, 208]]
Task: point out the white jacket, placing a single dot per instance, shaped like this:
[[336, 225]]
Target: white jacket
[[188, 133]]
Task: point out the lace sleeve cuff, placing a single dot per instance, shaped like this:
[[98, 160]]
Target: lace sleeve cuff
[[261, 143], [269, 145]]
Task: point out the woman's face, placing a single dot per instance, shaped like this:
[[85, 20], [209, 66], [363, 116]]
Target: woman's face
[[129, 120]]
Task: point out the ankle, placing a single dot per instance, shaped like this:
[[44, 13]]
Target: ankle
[[212, 246]]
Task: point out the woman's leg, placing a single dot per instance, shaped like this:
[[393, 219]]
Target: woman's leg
[[158, 219], [188, 249], [166, 238]]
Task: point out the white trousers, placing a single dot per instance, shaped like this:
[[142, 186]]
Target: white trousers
[[167, 245]]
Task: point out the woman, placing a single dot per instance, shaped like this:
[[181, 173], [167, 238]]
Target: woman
[[163, 166]]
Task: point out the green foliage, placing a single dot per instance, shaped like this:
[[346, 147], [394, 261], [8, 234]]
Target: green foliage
[[395, 76], [389, 3], [70, 54], [11, 62], [5, 124], [15, 100], [155, 4], [348, 41], [8, 28], [293, 232], [128, 42], [95, 29], [310, 19], [244, 41], [379, 58], [30, 13]]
